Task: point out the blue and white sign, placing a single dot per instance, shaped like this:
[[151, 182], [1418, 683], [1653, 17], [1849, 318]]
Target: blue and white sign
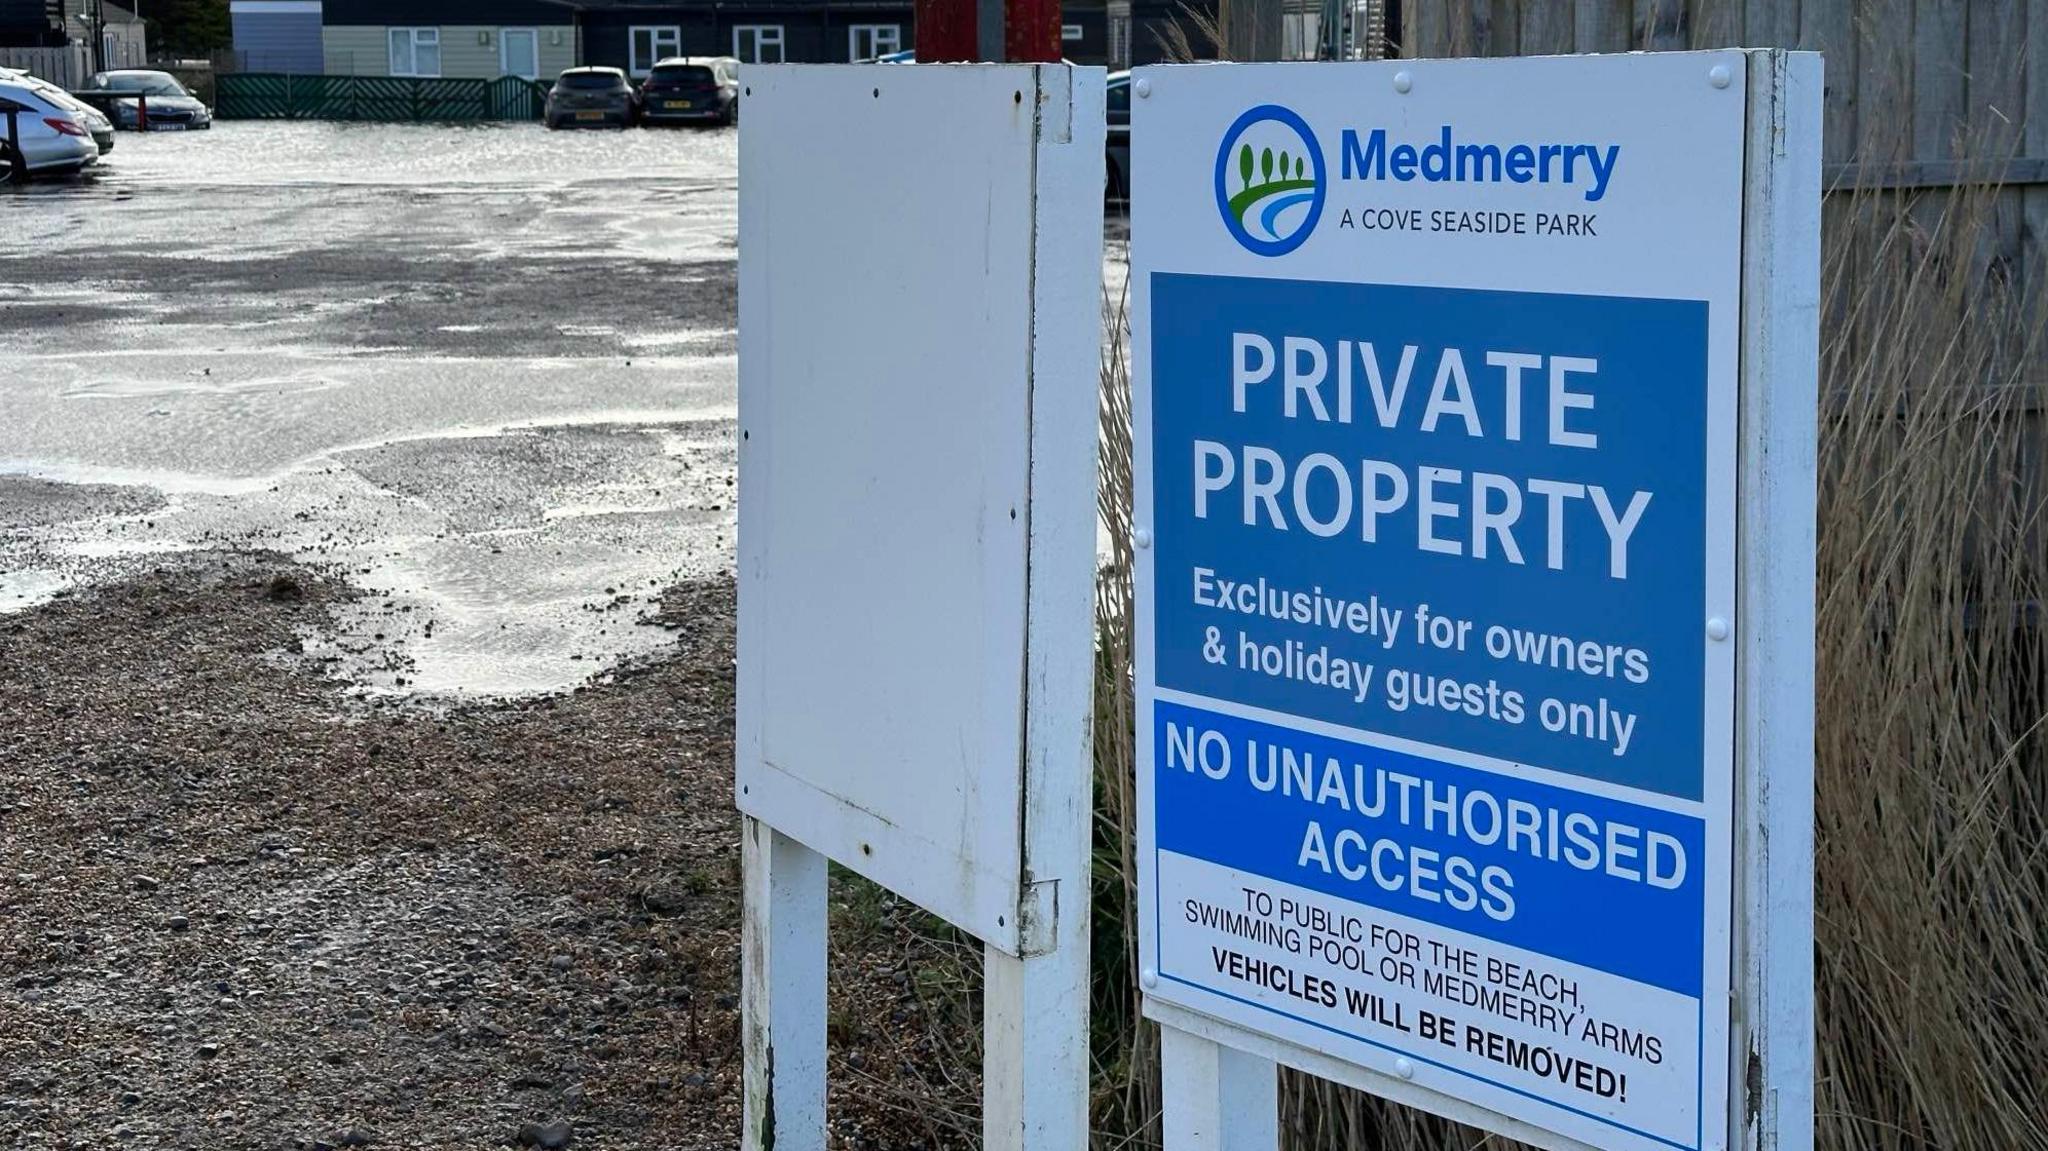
[[1435, 398]]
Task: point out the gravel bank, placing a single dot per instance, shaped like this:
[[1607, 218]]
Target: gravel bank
[[243, 907]]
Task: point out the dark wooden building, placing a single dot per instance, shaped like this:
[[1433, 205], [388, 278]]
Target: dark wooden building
[[32, 24], [630, 34], [537, 39]]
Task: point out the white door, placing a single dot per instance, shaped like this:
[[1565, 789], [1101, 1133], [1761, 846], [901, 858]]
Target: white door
[[519, 53]]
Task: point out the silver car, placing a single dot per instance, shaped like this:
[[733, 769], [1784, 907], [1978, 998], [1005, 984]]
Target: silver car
[[95, 121], [39, 136]]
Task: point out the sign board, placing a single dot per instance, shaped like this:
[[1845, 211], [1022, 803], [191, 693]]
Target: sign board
[[1439, 420], [903, 408]]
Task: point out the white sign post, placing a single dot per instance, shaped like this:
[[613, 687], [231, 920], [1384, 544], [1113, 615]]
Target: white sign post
[[1475, 412], [920, 249]]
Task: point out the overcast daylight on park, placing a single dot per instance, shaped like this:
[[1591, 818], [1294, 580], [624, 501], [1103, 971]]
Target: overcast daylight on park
[[1023, 575]]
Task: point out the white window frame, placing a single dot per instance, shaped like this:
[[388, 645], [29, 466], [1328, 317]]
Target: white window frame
[[657, 35], [1072, 32], [878, 35], [415, 38], [505, 61], [764, 36]]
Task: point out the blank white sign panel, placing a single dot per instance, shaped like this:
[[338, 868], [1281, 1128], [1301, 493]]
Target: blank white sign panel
[[885, 350]]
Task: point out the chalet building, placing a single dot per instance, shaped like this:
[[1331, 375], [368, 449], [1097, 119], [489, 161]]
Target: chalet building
[[32, 24], [55, 24], [539, 38]]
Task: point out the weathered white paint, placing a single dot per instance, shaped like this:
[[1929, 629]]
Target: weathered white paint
[[1035, 1011], [885, 327], [782, 988], [1217, 1098], [919, 325], [1773, 1099]]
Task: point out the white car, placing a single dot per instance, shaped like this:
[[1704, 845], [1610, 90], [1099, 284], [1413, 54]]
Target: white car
[[95, 120], [39, 136]]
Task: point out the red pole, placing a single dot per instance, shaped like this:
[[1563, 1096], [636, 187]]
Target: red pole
[[1031, 31], [946, 31]]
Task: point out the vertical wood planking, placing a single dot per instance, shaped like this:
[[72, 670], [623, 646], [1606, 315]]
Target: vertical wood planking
[[1940, 77], [1993, 116], [1829, 27], [1503, 28], [1716, 23], [1546, 27], [1884, 81], [1662, 25], [1602, 25], [1429, 30], [2034, 136], [1940, 85], [1772, 23], [1994, 108], [1460, 37]]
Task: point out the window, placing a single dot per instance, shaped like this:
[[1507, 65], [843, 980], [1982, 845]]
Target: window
[[1301, 35], [867, 41], [1071, 32], [654, 42], [757, 43], [1120, 41], [415, 52]]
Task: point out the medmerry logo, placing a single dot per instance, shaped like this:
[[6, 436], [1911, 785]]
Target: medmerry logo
[[1270, 180]]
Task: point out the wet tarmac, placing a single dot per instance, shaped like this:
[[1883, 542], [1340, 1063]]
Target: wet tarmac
[[485, 373]]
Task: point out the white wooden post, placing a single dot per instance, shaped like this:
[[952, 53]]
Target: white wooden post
[[782, 992], [1217, 1098], [1772, 1078], [1035, 1051]]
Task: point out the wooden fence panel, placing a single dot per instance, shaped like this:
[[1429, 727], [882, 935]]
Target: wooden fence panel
[[2034, 142], [66, 67], [1830, 29], [1924, 97]]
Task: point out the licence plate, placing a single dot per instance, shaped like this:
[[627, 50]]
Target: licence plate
[[590, 115], [156, 126], [678, 105]]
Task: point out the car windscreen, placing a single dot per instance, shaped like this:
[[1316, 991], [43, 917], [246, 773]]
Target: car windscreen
[[591, 81], [156, 85], [682, 76]]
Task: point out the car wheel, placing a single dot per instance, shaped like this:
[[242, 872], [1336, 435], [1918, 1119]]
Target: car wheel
[[732, 113], [12, 169]]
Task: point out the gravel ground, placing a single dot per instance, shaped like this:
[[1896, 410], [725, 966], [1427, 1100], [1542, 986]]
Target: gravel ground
[[241, 907]]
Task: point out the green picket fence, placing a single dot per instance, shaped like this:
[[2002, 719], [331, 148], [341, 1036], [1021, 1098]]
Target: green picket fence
[[389, 99]]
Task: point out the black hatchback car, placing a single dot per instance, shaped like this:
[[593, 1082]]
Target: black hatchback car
[[685, 90], [591, 98]]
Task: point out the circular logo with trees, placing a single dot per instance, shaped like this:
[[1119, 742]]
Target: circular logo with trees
[[1270, 180]]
